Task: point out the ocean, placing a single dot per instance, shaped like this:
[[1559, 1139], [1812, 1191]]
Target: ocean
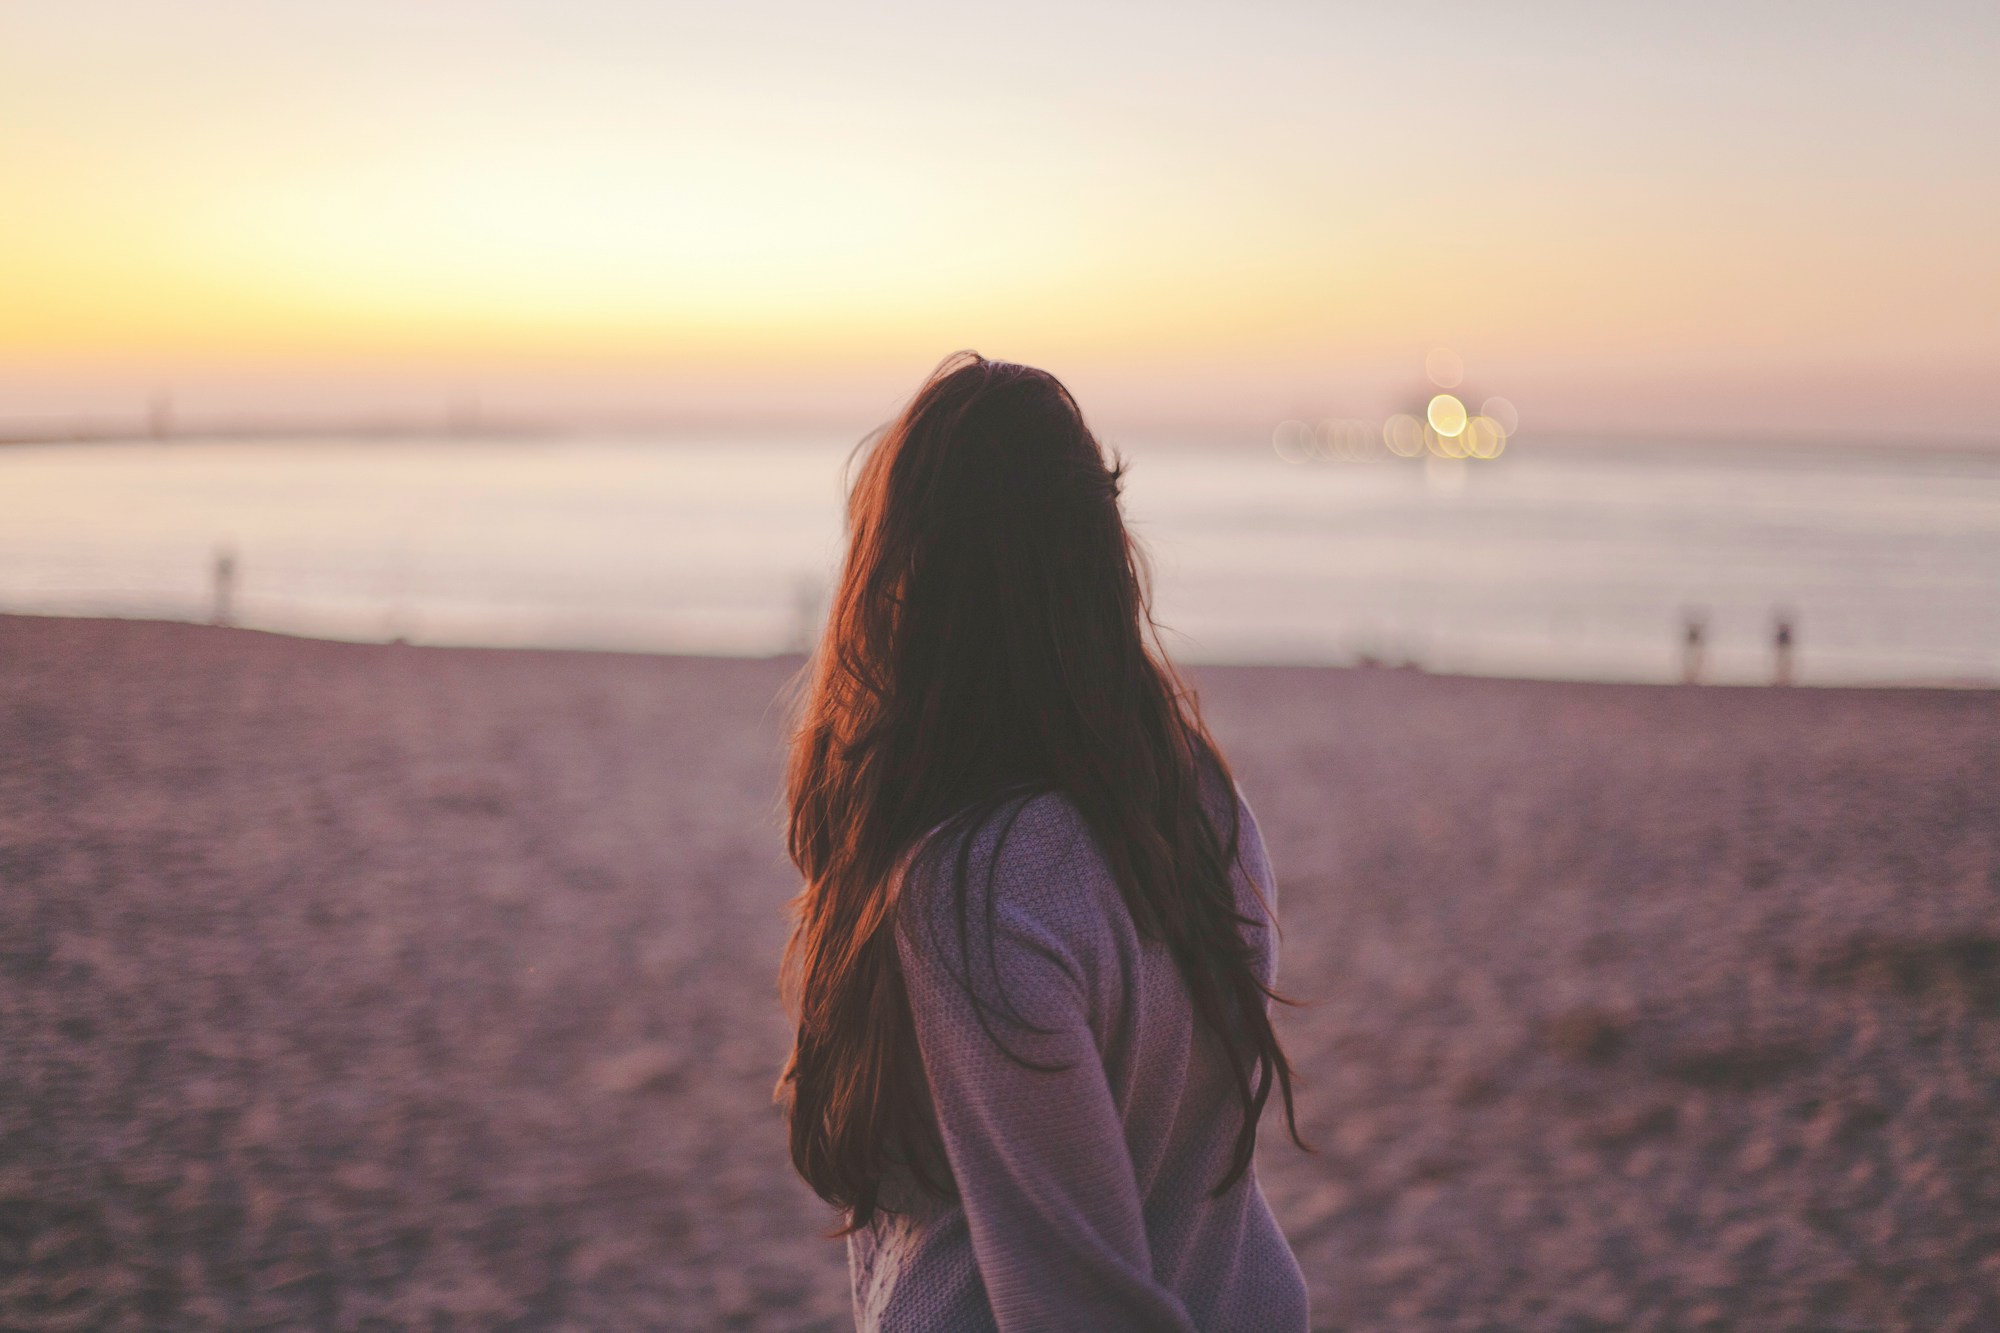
[[1567, 562]]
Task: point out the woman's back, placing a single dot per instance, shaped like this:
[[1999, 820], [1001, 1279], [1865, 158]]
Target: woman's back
[[1086, 1115], [1062, 1003]]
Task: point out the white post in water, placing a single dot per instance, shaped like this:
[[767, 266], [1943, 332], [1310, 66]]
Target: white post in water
[[225, 587]]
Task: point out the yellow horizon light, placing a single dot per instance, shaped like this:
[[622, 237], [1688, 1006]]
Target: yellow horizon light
[[1484, 438], [1404, 435], [1447, 415]]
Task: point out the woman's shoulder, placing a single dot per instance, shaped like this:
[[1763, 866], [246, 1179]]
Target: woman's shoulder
[[1017, 906], [1251, 856], [1037, 853], [1033, 850]]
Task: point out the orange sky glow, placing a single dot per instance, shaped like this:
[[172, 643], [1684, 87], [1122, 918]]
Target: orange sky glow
[[1706, 218]]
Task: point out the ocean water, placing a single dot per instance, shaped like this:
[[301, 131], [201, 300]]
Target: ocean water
[[1567, 563]]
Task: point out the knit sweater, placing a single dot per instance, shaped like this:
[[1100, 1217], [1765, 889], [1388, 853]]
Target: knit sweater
[[1085, 1188]]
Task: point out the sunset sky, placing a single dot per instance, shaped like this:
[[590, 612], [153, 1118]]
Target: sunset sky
[[1693, 217]]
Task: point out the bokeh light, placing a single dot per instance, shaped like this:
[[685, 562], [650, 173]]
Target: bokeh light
[[1484, 438], [1443, 446], [1293, 441], [1445, 367], [1344, 440], [1446, 414], [1404, 435], [1503, 412]]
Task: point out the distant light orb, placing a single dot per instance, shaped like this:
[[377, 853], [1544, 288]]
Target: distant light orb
[[1502, 412], [1344, 441], [1404, 435], [1484, 438], [1327, 442], [1447, 415], [1361, 441], [1445, 367], [1293, 441], [1444, 446]]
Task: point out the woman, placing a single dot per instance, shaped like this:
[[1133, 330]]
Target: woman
[[1033, 959]]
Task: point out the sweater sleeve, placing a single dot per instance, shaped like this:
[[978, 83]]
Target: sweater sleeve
[[1038, 1155]]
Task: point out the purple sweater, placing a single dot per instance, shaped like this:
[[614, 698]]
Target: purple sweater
[[1084, 1195]]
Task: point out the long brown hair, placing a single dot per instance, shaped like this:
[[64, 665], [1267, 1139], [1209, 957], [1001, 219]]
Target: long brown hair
[[990, 639]]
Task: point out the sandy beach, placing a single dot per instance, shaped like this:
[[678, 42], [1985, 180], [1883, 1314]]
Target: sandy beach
[[357, 986]]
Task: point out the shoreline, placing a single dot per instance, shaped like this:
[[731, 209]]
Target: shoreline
[[1967, 685]]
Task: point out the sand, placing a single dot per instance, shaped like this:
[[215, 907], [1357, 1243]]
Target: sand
[[373, 986]]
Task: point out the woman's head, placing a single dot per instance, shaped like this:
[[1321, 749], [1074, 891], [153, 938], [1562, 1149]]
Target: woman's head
[[989, 638], [991, 608]]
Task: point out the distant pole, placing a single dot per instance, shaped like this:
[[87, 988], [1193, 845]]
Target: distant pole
[[225, 587], [1694, 634], [1782, 642]]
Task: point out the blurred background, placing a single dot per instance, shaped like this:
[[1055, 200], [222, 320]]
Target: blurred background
[[548, 324], [372, 974]]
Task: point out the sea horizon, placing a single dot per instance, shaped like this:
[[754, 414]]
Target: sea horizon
[[1554, 561]]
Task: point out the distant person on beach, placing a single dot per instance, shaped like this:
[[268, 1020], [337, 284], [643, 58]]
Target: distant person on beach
[[224, 611], [1694, 634], [1033, 958]]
